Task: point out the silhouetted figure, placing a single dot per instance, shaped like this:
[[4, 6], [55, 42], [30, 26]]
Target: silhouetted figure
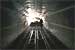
[[41, 22], [32, 24], [36, 23]]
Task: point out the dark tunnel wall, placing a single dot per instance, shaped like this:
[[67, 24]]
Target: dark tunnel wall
[[12, 25], [60, 24]]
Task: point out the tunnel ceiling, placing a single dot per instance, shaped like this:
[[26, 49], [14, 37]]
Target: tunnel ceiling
[[52, 6], [60, 17]]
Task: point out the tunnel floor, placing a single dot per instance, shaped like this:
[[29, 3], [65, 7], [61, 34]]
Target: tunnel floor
[[40, 38]]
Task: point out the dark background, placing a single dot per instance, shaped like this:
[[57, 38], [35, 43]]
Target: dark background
[[61, 23]]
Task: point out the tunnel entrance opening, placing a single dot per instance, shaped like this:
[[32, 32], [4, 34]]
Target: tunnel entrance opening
[[33, 16]]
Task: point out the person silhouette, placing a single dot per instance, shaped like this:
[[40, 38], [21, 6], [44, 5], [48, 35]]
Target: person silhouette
[[41, 23]]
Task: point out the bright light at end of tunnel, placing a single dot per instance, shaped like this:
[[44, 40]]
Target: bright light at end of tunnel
[[33, 16]]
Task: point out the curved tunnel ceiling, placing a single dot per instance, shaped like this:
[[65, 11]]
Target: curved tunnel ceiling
[[59, 18]]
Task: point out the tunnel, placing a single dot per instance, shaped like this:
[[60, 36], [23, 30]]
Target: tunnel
[[21, 26]]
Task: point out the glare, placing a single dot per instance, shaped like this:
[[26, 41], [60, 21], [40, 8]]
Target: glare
[[33, 16]]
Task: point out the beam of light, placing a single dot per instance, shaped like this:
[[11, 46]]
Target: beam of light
[[45, 32], [33, 16], [62, 10], [37, 35], [45, 40], [31, 33], [62, 26], [66, 27], [35, 38]]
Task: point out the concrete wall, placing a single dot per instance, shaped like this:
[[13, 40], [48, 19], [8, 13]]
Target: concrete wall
[[12, 25], [61, 25]]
